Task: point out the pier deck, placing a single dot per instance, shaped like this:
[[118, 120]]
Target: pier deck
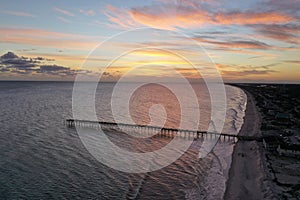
[[163, 130]]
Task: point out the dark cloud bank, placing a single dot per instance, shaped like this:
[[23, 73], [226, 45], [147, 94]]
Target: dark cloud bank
[[14, 64]]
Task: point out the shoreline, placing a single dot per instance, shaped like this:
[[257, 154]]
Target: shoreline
[[246, 178]]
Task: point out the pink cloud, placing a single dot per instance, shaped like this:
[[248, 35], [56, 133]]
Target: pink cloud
[[65, 12], [64, 19], [246, 18], [87, 12], [286, 33], [17, 13], [120, 18]]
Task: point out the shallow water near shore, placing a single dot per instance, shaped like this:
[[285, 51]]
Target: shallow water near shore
[[41, 158]]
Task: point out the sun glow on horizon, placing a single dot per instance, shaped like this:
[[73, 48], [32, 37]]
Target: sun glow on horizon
[[244, 44]]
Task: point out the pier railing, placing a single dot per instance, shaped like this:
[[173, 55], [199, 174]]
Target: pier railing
[[160, 130]]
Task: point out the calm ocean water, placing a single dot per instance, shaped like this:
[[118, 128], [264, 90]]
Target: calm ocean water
[[40, 158]]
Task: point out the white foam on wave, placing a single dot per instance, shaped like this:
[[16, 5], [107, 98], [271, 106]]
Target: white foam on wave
[[213, 185]]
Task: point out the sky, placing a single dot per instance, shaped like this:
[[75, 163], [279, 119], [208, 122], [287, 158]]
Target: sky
[[240, 41]]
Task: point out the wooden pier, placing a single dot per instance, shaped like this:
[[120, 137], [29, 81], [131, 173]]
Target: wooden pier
[[171, 132]]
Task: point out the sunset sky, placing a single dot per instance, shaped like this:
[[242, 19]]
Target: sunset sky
[[247, 41]]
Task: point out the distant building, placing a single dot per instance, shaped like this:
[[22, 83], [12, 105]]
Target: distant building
[[289, 150], [271, 143], [282, 117]]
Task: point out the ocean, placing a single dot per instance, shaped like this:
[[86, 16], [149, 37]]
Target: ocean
[[42, 158]]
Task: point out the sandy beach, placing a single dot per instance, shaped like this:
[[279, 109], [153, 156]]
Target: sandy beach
[[247, 179]]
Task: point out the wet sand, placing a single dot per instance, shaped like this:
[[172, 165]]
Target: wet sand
[[246, 174]]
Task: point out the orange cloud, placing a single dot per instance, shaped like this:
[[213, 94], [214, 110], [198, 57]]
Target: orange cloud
[[173, 16], [245, 18], [153, 52], [236, 72], [169, 17], [120, 18], [38, 37]]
